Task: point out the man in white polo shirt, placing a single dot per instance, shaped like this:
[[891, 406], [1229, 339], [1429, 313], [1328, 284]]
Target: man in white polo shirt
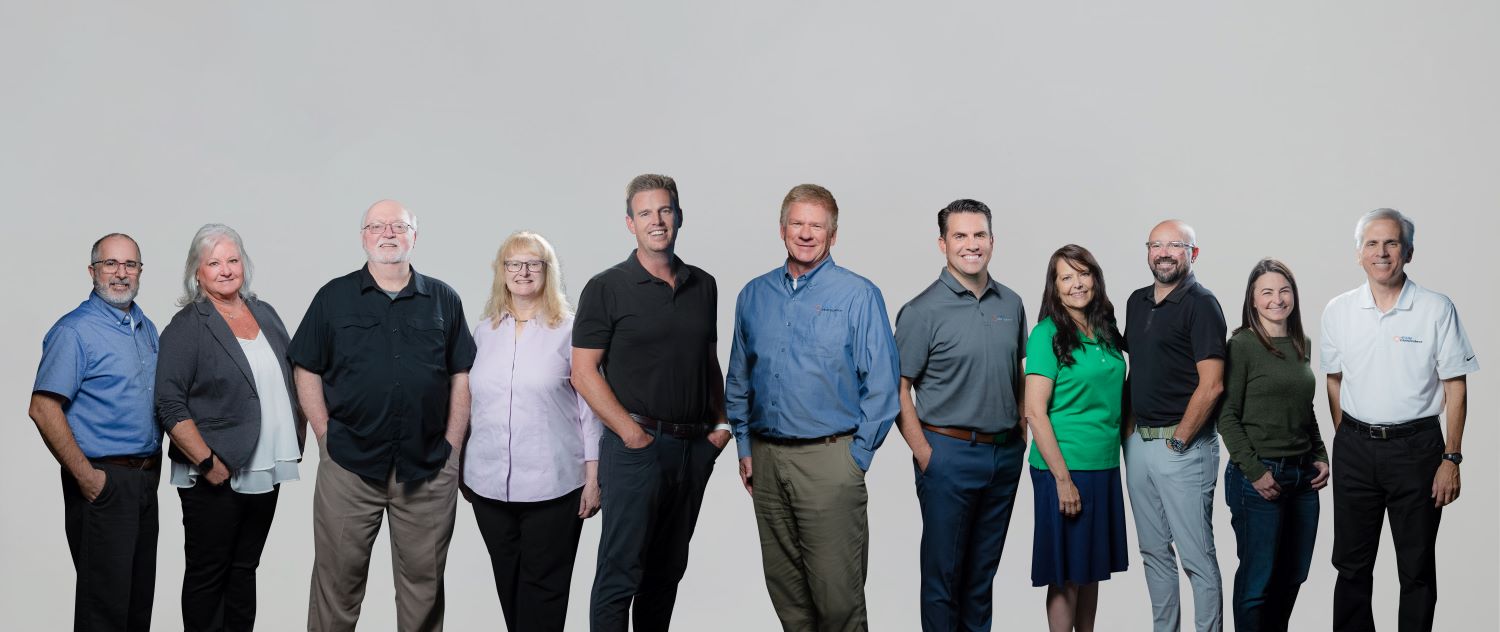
[[1396, 356]]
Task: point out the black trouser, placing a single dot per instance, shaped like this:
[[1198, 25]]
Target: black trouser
[[1373, 478], [532, 546], [650, 502], [113, 542], [223, 534]]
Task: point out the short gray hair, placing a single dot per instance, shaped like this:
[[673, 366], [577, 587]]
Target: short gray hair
[[1408, 229], [203, 240], [410, 215], [99, 243]]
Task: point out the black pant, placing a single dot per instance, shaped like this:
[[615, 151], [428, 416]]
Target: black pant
[[224, 533], [650, 500], [113, 542], [1373, 478], [532, 546]]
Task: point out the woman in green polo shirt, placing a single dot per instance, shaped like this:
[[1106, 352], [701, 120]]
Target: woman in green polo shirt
[[1075, 377], [1277, 459]]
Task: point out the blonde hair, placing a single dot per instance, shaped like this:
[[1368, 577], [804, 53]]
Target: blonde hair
[[812, 194], [554, 302]]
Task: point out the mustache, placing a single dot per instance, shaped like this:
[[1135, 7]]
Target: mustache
[[1163, 260]]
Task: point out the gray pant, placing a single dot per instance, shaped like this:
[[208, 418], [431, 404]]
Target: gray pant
[[1171, 497], [347, 511]]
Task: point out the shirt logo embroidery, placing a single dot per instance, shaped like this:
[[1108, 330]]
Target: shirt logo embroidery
[[1406, 339]]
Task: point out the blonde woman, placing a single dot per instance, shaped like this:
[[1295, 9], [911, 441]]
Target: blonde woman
[[531, 459]]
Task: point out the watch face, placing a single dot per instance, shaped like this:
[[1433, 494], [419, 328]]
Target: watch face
[[1455, 457]]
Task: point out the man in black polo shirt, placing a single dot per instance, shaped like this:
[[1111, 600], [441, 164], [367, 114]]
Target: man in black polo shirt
[[1174, 332], [649, 324], [382, 360]]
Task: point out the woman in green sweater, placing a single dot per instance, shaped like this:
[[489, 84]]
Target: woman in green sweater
[[1277, 459], [1075, 378]]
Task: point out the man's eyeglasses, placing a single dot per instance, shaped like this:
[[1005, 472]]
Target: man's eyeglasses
[[1169, 246], [532, 266], [377, 228], [108, 266]]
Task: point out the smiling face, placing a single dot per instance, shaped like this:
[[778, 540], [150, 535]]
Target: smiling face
[[524, 282], [1075, 286], [1170, 252], [968, 244], [119, 286], [389, 246], [1274, 300], [221, 273], [1381, 253], [653, 220], [809, 235]]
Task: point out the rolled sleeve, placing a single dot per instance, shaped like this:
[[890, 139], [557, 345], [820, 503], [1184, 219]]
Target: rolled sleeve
[[177, 363]]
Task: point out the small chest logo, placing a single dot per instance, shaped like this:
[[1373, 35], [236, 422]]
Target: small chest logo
[[1406, 339]]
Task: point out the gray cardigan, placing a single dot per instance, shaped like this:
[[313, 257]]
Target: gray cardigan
[[202, 374]]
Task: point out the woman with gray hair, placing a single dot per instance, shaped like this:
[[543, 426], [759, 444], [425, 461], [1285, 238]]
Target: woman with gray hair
[[224, 394]]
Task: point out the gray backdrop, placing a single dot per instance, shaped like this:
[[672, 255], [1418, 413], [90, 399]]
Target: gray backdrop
[[1269, 126]]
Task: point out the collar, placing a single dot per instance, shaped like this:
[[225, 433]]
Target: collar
[[1403, 301], [639, 274], [1175, 296], [416, 285], [807, 277], [946, 276], [132, 317]]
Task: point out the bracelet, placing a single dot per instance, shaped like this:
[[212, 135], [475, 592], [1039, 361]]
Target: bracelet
[[722, 427]]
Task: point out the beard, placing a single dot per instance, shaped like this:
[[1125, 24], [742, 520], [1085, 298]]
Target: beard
[[382, 255], [1166, 277], [117, 299]]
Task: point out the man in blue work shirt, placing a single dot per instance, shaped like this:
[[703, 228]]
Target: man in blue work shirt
[[811, 393], [93, 404]]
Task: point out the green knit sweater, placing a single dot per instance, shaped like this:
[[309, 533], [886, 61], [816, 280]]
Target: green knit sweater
[[1268, 405]]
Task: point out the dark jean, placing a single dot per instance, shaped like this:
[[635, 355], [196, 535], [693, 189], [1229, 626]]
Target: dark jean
[[966, 497], [650, 498], [224, 533], [1274, 540]]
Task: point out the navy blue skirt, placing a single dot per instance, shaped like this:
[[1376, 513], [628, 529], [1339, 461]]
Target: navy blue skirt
[[1085, 548]]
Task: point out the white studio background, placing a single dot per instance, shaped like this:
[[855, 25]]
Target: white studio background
[[1269, 126]]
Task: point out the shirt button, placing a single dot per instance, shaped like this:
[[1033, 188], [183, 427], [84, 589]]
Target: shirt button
[[398, 356], [395, 331]]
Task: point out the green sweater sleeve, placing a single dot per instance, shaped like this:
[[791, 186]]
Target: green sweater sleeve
[[1231, 420]]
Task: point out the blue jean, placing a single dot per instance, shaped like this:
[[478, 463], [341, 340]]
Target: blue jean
[[1274, 540], [966, 495]]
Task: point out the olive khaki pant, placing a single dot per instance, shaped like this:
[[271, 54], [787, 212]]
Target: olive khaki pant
[[347, 512], [814, 536]]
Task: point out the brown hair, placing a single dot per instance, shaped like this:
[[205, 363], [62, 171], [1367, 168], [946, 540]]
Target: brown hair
[[653, 182], [1249, 320], [1099, 313], [812, 194]]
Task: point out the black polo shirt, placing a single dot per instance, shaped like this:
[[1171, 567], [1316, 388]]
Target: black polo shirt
[[1166, 341], [386, 366], [658, 341]]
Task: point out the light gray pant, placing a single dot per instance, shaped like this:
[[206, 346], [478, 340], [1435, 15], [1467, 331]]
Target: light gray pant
[[347, 511], [1171, 497]]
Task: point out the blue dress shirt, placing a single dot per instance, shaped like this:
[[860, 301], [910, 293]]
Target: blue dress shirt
[[812, 357], [103, 362]]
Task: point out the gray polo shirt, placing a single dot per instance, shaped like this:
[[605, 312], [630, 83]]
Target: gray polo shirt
[[964, 354]]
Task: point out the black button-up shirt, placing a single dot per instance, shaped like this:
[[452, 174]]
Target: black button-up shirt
[[658, 341], [1166, 342], [386, 366]]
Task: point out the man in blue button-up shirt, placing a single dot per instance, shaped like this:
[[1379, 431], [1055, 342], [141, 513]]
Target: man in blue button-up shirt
[[92, 403], [811, 393]]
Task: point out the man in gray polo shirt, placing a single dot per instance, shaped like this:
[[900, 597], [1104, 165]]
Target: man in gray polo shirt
[[961, 343]]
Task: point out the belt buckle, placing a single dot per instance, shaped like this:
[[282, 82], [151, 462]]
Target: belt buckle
[[1379, 432]]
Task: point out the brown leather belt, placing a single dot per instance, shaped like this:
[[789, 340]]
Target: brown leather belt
[[973, 436], [132, 462], [796, 441], [680, 431]]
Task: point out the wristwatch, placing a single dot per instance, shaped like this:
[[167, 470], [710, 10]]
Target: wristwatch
[[1456, 457], [207, 464], [1176, 445]]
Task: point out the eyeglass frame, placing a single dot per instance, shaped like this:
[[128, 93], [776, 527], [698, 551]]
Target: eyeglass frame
[[1170, 246], [534, 266], [378, 228], [109, 266]]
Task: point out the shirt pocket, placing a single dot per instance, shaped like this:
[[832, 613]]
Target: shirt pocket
[[428, 341], [354, 340], [825, 333]]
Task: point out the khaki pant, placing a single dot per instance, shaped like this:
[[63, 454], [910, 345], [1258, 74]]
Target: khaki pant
[[347, 511], [814, 536]]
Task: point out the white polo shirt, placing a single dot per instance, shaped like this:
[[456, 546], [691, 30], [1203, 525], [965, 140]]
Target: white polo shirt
[[1393, 364]]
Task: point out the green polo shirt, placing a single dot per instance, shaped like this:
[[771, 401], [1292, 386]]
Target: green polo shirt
[[1085, 410]]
